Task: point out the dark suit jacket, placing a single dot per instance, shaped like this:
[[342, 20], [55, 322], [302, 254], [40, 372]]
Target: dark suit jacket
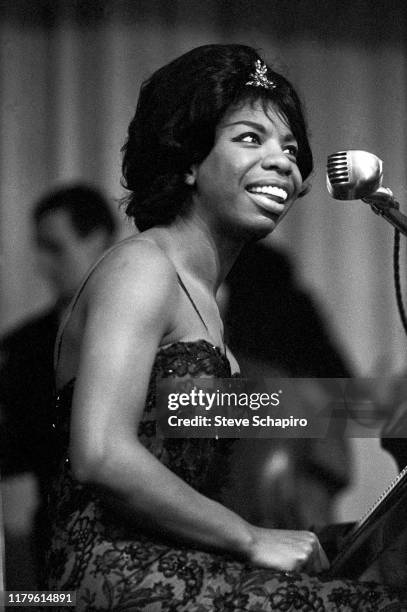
[[27, 396]]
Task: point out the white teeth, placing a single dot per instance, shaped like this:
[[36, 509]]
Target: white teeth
[[269, 190]]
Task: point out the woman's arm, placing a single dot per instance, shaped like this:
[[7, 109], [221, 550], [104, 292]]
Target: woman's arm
[[130, 309]]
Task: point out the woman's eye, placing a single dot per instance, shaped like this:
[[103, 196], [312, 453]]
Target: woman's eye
[[250, 137], [292, 151]]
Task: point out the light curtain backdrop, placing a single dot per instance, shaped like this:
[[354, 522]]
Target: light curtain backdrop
[[69, 77]]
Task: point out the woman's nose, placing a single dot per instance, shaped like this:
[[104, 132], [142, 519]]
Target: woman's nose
[[277, 160]]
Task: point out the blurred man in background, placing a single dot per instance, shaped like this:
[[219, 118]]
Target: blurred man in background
[[72, 226]]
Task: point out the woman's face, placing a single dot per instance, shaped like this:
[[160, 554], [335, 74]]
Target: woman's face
[[250, 178]]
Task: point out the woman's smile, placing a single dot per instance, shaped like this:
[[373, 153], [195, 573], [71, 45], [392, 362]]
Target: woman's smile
[[268, 197], [269, 191]]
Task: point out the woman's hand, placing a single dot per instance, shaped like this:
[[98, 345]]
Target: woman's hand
[[287, 550]]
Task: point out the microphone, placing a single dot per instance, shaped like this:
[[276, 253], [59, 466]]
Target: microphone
[[355, 175], [358, 175]]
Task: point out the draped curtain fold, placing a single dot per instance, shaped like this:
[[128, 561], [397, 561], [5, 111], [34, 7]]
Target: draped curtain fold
[[69, 76]]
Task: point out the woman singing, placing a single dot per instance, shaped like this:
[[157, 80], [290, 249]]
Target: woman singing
[[216, 155]]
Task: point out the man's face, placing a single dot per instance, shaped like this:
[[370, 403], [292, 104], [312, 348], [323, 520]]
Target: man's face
[[64, 256]]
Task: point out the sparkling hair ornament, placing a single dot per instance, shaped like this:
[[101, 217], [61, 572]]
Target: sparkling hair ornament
[[259, 77]]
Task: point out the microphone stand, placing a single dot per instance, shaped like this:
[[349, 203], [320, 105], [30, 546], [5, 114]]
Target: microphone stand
[[383, 203]]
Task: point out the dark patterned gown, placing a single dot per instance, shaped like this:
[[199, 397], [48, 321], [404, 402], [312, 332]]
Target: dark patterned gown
[[113, 566]]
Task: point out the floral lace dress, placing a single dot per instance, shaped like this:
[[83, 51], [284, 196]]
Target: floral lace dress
[[113, 566]]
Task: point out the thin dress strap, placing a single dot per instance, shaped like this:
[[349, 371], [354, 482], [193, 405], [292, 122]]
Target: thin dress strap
[[191, 300], [67, 315], [70, 309], [180, 281]]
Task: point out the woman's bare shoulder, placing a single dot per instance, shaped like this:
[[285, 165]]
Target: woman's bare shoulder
[[133, 264], [132, 289], [134, 253]]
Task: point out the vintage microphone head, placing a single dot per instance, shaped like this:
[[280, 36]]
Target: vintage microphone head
[[353, 175]]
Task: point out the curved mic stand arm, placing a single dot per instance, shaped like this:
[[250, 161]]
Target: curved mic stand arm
[[385, 205]]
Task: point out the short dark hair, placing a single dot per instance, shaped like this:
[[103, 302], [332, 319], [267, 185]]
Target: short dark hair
[[174, 126], [86, 206]]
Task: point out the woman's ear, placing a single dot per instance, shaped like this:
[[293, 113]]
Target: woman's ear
[[190, 177]]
